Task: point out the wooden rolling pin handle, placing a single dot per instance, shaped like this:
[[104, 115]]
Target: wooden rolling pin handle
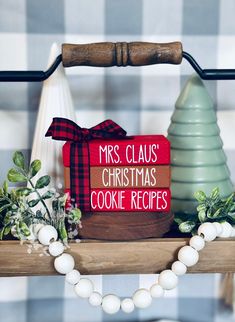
[[108, 54]]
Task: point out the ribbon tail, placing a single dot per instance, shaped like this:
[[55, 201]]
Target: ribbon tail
[[80, 176]]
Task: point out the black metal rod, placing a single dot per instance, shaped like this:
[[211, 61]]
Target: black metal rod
[[31, 75], [209, 74], [38, 75]]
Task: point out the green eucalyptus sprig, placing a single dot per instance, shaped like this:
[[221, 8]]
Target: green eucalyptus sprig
[[16, 205], [211, 208]]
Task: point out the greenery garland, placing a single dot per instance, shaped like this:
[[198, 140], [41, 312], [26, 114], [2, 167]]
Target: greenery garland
[[211, 208], [17, 214]]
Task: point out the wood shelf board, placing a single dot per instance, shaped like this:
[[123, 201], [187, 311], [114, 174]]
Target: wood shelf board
[[102, 257]]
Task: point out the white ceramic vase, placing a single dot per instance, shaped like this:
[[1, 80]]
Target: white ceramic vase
[[56, 101]]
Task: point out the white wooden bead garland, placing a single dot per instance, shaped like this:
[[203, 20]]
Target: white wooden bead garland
[[188, 256], [72, 277], [127, 305], [111, 303], [95, 299], [179, 268], [142, 298], [226, 230]]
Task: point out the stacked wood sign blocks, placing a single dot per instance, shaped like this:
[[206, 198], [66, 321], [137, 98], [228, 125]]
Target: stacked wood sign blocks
[[129, 179], [128, 175]]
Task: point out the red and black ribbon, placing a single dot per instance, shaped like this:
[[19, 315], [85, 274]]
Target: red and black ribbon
[[66, 130]]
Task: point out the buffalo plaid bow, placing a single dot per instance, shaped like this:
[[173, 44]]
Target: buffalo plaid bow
[[66, 130]]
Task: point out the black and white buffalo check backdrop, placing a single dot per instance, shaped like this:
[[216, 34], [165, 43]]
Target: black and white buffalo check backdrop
[[140, 99]]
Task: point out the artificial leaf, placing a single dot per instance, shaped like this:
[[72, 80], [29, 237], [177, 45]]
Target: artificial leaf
[[217, 213], [7, 219], [23, 191], [75, 215], [202, 216], [35, 166], [48, 195], [179, 218], [229, 201], [194, 231], [231, 215], [63, 199], [7, 230], [1, 233], [15, 176], [5, 187], [214, 193], [33, 203], [231, 220], [55, 205], [232, 208], [24, 229], [4, 207], [43, 182], [201, 207], [63, 232], [18, 159], [200, 196], [187, 226], [13, 195]]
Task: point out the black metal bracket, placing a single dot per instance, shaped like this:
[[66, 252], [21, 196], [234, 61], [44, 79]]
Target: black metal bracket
[[38, 76], [30, 75], [209, 74]]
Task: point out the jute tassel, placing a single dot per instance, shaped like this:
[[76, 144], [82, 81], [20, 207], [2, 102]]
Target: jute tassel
[[227, 290]]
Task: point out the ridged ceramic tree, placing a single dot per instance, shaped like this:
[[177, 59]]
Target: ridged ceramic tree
[[56, 101], [197, 157]]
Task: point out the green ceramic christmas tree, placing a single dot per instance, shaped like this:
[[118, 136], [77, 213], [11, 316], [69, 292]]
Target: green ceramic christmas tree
[[197, 156]]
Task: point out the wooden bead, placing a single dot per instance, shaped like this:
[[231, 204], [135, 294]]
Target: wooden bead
[[156, 290], [111, 304], [188, 256], [84, 288], [72, 277], [47, 234], [197, 242], [95, 299], [167, 279], [56, 248], [207, 231], [64, 263], [142, 298], [218, 227], [179, 268], [127, 305], [226, 230]]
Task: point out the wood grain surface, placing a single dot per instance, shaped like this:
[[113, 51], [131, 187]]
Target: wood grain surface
[[126, 177], [122, 226], [95, 257], [106, 54]]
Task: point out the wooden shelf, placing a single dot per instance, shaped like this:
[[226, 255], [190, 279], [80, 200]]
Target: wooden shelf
[[99, 257]]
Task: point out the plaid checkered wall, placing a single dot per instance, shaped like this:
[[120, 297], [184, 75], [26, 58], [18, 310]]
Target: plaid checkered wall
[[140, 99]]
